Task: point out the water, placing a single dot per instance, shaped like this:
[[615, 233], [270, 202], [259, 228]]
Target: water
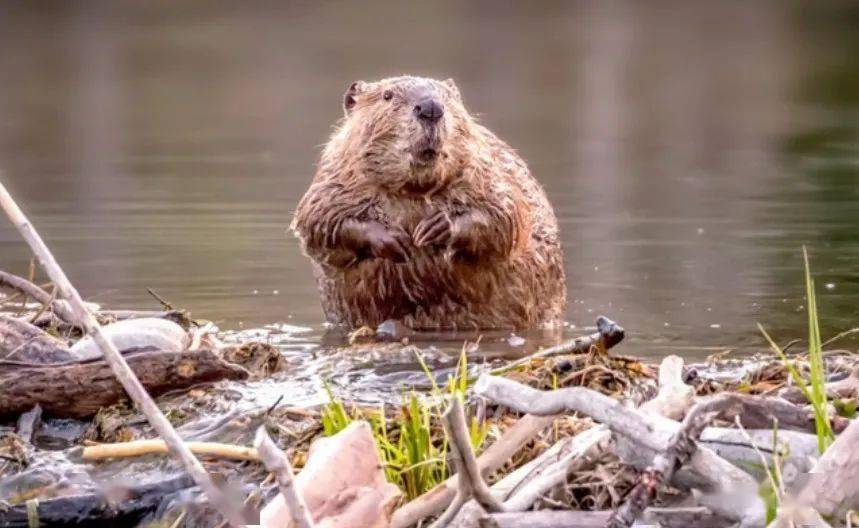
[[690, 149]]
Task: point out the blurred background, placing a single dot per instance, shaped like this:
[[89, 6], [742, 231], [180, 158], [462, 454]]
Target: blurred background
[[690, 148]]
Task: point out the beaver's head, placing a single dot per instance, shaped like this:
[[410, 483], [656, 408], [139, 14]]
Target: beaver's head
[[405, 134]]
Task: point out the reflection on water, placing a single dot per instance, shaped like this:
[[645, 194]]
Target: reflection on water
[[690, 148]]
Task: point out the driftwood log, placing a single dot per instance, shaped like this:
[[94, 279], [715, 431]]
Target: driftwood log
[[21, 341], [96, 509], [79, 388]]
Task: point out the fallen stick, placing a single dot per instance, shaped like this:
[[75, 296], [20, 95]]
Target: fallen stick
[[585, 446], [675, 397], [647, 429], [794, 448], [521, 488], [120, 368], [60, 308], [471, 481], [157, 446], [57, 387], [277, 463], [608, 334], [495, 456], [679, 451]]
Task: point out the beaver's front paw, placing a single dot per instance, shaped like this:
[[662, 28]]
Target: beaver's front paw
[[434, 230], [386, 242], [375, 240]]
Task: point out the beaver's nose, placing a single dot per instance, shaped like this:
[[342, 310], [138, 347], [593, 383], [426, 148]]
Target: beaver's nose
[[429, 110]]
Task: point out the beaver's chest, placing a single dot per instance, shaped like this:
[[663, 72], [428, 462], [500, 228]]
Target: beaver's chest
[[407, 213]]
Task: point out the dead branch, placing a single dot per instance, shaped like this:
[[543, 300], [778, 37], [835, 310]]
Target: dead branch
[[120, 368], [641, 436], [586, 447], [679, 451], [60, 308], [438, 498], [159, 447], [608, 335], [276, 461], [647, 429], [473, 483]]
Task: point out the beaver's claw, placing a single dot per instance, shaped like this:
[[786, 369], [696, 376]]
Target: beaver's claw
[[389, 244], [435, 230]]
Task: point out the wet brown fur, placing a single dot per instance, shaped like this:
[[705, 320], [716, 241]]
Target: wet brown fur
[[495, 260]]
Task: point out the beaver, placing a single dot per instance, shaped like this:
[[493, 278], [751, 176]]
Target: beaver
[[419, 214]]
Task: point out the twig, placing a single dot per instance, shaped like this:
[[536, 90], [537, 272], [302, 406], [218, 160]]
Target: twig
[[457, 432], [608, 334], [158, 446], [26, 287], [117, 363], [160, 299], [276, 462], [45, 306]]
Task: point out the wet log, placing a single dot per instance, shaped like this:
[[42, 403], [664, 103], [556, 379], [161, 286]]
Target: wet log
[[21, 341], [80, 388], [98, 508]]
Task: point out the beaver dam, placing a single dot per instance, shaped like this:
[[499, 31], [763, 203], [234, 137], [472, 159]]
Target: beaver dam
[[572, 435]]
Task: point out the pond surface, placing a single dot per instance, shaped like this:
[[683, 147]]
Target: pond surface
[[690, 149]]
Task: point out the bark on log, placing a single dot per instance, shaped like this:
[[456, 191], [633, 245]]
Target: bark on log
[[21, 341], [80, 389]]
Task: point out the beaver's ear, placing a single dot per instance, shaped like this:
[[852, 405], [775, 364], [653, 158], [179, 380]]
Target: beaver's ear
[[453, 88], [349, 98]]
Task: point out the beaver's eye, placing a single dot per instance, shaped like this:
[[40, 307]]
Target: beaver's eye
[[388, 95]]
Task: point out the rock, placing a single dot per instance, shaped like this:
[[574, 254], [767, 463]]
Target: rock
[[343, 484], [675, 397], [136, 334]]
